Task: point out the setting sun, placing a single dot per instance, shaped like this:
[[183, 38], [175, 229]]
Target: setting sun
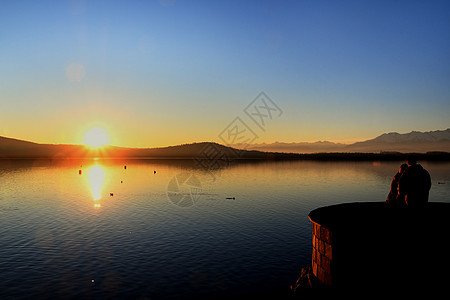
[[96, 137]]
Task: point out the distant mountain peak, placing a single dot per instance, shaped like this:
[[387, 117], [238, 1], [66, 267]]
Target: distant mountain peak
[[414, 136], [438, 140]]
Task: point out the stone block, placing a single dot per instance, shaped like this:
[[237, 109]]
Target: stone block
[[314, 268], [317, 231], [325, 263], [321, 247], [320, 274], [329, 251], [325, 234]]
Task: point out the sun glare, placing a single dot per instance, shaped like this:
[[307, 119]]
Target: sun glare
[[96, 179], [96, 137]]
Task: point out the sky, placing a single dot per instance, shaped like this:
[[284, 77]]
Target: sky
[[168, 72]]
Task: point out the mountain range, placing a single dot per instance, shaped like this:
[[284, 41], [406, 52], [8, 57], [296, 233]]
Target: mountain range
[[413, 142]]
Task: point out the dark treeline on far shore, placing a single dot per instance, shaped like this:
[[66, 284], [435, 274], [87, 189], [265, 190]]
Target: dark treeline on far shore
[[382, 156], [269, 156]]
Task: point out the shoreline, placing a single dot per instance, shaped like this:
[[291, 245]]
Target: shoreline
[[266, 156]]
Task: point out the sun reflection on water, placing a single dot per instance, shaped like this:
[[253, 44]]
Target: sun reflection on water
[[96, 179]]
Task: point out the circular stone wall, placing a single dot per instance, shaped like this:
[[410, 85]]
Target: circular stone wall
[[368, 244]]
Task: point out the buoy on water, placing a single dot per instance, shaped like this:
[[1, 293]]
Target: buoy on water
[[79, 172], [125, 167], [111, 194], [154, 172]]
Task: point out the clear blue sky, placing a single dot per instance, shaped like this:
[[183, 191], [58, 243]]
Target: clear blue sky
[[156, 73]]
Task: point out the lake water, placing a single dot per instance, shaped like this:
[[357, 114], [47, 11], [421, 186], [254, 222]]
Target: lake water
[[95, 229]]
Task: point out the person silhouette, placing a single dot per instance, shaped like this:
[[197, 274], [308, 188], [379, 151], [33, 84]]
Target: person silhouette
[[414, 185], [392, 199]]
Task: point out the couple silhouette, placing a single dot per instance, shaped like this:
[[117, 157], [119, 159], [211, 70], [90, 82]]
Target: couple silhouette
[[410, 187]]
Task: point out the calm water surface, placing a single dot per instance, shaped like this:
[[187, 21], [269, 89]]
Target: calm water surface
[[129, 232]]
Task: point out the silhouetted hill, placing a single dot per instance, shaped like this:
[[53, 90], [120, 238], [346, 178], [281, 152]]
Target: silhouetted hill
[[13, 148]]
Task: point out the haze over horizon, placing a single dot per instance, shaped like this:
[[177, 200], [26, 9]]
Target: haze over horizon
[[161, 73], [411, 138], [430, 142]]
